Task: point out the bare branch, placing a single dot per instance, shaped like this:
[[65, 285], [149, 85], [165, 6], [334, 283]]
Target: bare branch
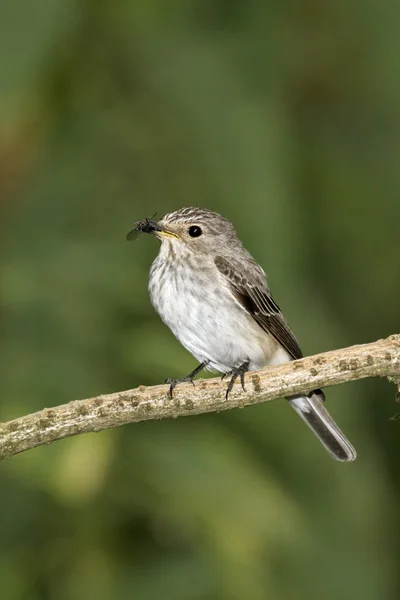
[[381, 358]]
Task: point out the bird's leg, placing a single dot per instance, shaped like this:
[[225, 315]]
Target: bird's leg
[[188, 378], [237, 372]]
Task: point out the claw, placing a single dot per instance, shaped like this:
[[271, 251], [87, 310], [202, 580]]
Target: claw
[[242, 381], [174, 383], [238, 372], [187, 379]]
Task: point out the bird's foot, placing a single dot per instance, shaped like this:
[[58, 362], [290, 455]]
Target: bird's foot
[[188, 379], [174, 382], [237, 372]]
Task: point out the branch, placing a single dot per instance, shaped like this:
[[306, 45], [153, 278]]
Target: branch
[[381, 358]]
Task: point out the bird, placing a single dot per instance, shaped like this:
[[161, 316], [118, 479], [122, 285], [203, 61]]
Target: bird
[[214, 296]]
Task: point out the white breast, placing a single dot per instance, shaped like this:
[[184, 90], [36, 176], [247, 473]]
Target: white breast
[[198, 306]]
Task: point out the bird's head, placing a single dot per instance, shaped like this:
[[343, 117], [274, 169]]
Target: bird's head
[[191, 229]]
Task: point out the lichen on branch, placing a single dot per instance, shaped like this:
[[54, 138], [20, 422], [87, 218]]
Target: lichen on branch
[[381, 358]]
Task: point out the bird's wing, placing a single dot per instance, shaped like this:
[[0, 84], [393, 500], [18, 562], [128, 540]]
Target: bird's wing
[[253, 294]]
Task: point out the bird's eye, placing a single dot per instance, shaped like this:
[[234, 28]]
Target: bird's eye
[[195, 231]]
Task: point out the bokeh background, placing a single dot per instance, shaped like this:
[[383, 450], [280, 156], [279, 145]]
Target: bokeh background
[[285, 117]]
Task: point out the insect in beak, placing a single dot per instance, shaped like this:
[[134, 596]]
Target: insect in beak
[[145, 226], [149, 226]]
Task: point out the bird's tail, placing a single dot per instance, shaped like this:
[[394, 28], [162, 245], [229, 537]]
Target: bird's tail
[[312, 410]]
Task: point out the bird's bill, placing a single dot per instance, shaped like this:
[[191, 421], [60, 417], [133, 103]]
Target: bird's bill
[[148, 226], [165, 233]]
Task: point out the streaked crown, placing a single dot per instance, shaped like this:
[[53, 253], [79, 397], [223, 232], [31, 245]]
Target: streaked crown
[[215, 222]]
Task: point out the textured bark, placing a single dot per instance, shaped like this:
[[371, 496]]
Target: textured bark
[[381, 358]]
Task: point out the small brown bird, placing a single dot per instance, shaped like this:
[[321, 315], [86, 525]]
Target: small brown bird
[[214, 297]]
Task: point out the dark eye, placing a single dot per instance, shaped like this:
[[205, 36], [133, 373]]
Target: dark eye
[[195, 231]]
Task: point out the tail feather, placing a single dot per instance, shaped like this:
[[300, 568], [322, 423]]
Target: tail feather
[[312, 410]]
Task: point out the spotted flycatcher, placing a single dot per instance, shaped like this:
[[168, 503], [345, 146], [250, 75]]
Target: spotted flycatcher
[[214, 297]]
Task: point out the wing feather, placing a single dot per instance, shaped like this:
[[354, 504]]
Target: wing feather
[[256, 299]]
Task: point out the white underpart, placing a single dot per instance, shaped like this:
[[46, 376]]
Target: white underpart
[[197, 304]]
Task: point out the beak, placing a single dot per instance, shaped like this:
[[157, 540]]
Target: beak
[[148, 226], [163, 232]]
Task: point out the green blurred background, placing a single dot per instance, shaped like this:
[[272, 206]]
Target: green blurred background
[[285, 117]]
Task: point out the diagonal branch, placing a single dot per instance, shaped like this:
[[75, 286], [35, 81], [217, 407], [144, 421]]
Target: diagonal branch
[[381, 358]]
